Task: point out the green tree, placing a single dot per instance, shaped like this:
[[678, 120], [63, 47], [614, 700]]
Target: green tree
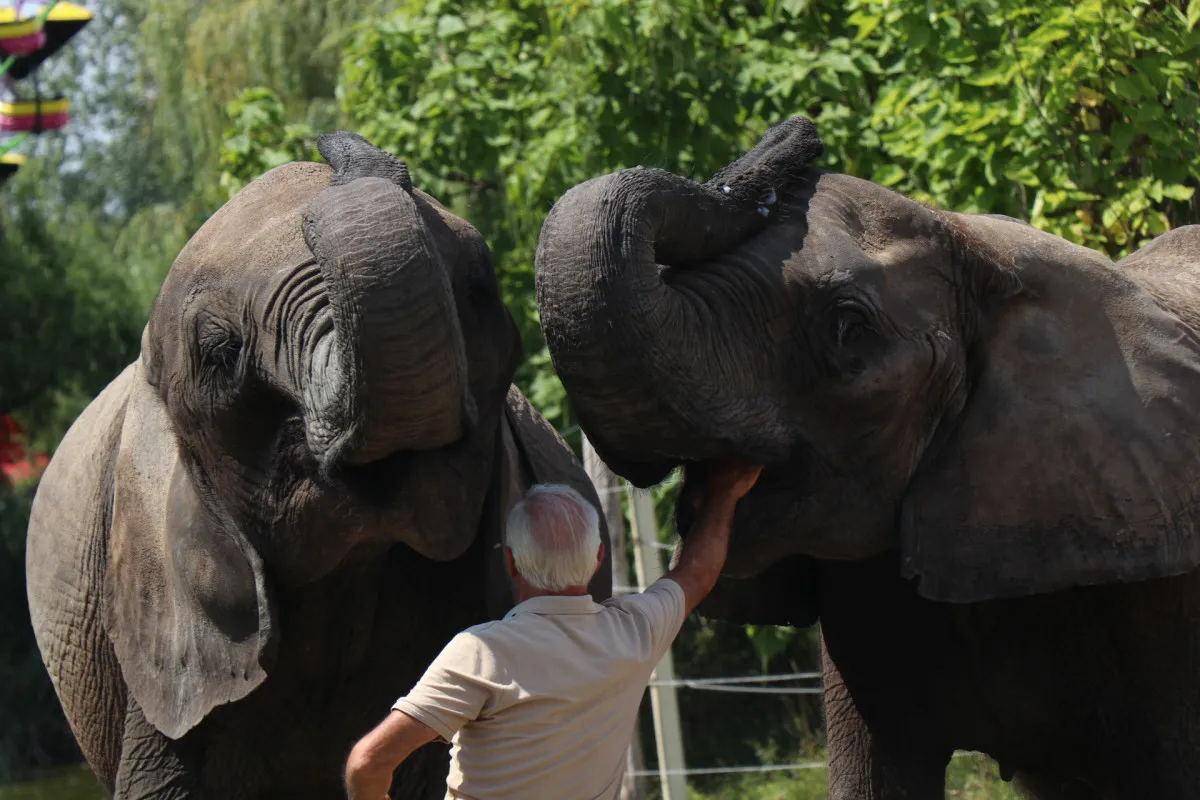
[[197, 57], [1079, 116], [259, 138], [88, 227]]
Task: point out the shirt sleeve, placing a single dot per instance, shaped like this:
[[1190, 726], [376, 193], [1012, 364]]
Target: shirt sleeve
[[453, 690], [662, 605]]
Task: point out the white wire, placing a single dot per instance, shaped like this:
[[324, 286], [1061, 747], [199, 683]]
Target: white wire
[[755, 689], [791, 676], [627, 488], [729, 684], [641, 773]]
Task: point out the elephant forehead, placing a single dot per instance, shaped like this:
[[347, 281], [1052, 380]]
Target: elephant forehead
[[456, 225], [260, 228]]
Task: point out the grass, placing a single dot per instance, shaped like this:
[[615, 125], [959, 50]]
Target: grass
[[62, 783], [969, 777]]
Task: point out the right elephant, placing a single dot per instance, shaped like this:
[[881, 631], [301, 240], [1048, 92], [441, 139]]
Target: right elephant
[[982, 449]]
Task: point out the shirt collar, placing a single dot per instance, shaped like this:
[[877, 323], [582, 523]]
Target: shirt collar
[[556, 604]]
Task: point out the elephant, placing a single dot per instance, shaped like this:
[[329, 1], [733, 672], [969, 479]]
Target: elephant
[[263, 530], [981, 447]]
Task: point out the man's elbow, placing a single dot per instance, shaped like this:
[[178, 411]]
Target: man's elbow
[[366, 766]]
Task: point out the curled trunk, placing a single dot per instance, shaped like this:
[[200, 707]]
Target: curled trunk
[[389, 373], [641, 329]]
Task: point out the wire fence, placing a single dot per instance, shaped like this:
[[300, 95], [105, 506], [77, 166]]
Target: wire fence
[[739, 684], [732, 684]]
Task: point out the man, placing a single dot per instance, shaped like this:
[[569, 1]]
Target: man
[[542, 703]]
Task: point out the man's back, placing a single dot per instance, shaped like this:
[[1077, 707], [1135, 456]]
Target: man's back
[[542, 704], [544, 701]]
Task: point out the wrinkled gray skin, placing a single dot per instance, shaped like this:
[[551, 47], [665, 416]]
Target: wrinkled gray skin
[[981, 448], [260, 534]]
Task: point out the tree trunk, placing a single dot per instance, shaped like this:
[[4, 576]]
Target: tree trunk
[[608, 487]]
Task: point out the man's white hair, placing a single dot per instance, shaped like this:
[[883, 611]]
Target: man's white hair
[[554, 535]]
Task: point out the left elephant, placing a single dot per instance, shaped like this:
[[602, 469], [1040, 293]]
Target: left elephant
[[264, 529]]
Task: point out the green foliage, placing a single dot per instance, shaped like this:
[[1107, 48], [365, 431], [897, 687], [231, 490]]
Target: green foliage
[[1079, 116], [77, 289], [259, 138], [34, 731], [968, 777], [59, 783], [88, 227], [74, 305], [197, 57]]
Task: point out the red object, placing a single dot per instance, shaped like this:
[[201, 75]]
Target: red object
[[34, 123], [23, 45], [16, 465]]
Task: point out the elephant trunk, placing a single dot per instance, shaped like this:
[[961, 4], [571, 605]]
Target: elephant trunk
[[389, 371], [639, 328]]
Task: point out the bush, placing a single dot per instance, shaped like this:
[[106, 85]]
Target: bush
[[1077, 115]]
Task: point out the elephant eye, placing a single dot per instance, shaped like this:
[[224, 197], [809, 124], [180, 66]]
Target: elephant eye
[[226, 353], [850, 321], [220, 349]]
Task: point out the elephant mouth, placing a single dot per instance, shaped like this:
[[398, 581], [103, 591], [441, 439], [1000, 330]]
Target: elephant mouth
[[376, 482], [755, 539]]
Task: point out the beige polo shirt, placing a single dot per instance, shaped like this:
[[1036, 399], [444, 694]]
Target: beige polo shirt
[[541, 705]]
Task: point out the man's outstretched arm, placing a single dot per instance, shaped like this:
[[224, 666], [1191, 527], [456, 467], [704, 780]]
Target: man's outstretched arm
[[377, 755], [703, 550]]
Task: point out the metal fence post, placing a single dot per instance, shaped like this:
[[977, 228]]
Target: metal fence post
[[609, 489], [668, 734]]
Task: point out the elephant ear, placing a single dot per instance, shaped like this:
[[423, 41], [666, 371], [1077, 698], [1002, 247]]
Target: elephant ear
[[1076, 459], [186, 603], [510, 478], [546, 458]]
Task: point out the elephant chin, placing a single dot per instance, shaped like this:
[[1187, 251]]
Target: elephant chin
[[757, 541]]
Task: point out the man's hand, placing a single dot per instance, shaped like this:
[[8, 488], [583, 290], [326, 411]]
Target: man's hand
[[373, 760], [729, 481], [704, 548]]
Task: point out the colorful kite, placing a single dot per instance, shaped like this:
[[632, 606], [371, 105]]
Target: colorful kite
[[29, 36], [30, 39]]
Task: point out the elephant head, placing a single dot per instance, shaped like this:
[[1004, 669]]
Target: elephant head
[[1010, 412], [323, 376]]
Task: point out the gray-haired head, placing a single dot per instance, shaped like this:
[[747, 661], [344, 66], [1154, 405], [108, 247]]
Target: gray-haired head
[[554, 535]]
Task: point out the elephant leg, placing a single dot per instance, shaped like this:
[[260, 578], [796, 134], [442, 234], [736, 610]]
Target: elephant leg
[[866, 764], [152, 766]]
